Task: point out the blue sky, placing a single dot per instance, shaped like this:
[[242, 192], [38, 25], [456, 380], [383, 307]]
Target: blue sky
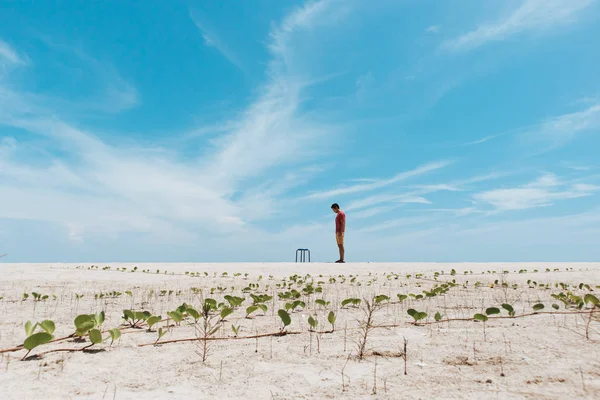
[[223, 130]]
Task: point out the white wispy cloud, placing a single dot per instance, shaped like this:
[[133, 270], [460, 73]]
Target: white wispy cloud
[[385, 199], [531, 15], [212, 40], [381, 183], [433, 29], [9, 55], [542, 192], [558, 131], [482, 140]]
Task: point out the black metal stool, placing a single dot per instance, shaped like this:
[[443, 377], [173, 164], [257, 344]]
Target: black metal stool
[[303, 253]]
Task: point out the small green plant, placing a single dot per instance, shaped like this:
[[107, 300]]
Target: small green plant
[[381, 298], [84, 323], [402, 297], [295, 304], [322, 302], [161, 332], [153, 320], [235, 329], [351, 301], [331, 319], [176, 316], [34, 340], [115, 334], [285, 318], [225, 312], [509, 308], [313, 323], [538, 307], [254, 308], [135, 318], [417, 316], [192, 312], [437, 316], [234, 301]]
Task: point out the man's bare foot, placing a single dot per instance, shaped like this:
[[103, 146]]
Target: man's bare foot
[[340, 262]]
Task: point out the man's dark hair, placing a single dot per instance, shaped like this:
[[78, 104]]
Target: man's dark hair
[[335, 205]]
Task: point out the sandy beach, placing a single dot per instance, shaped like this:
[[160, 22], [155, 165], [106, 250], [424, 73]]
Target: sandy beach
[[543, 355]]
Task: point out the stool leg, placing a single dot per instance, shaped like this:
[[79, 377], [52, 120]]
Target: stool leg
[[309, 256]]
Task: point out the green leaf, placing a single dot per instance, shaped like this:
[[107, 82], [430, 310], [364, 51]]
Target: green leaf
[[331, 318], [153, 320], [177, 317], [590, 298], [289, 306], [212, 303], [381, 298], [346, 302], [538, 307], [492, 311], [438, 316], [234, 301], [128, 315], [298, 303], [192, 312], [321, 302], [99, 318], [411, 312], [48, 326], [480, 317], [555, 306], [402, 297], [250, 310], [312, 322], [421, 315], [263, 307], [37, 339], [115, 334], [182, 308], [142, 315], [84, 328], [285, 317], [95, 336], [84, 319], [226, 312], [29, 328], [235, 329], [162, 332], [508, 308]]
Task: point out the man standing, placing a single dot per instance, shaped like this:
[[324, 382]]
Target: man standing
[[340, 228]]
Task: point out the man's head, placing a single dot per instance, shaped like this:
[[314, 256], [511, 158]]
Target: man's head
[[335, 207]]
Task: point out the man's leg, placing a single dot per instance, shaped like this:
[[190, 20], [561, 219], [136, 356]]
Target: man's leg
[[341, 248]]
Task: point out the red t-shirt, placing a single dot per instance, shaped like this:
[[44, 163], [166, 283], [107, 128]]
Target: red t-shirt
[[340, 222]]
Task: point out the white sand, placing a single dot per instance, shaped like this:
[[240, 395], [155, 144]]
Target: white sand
[[542, 356]]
